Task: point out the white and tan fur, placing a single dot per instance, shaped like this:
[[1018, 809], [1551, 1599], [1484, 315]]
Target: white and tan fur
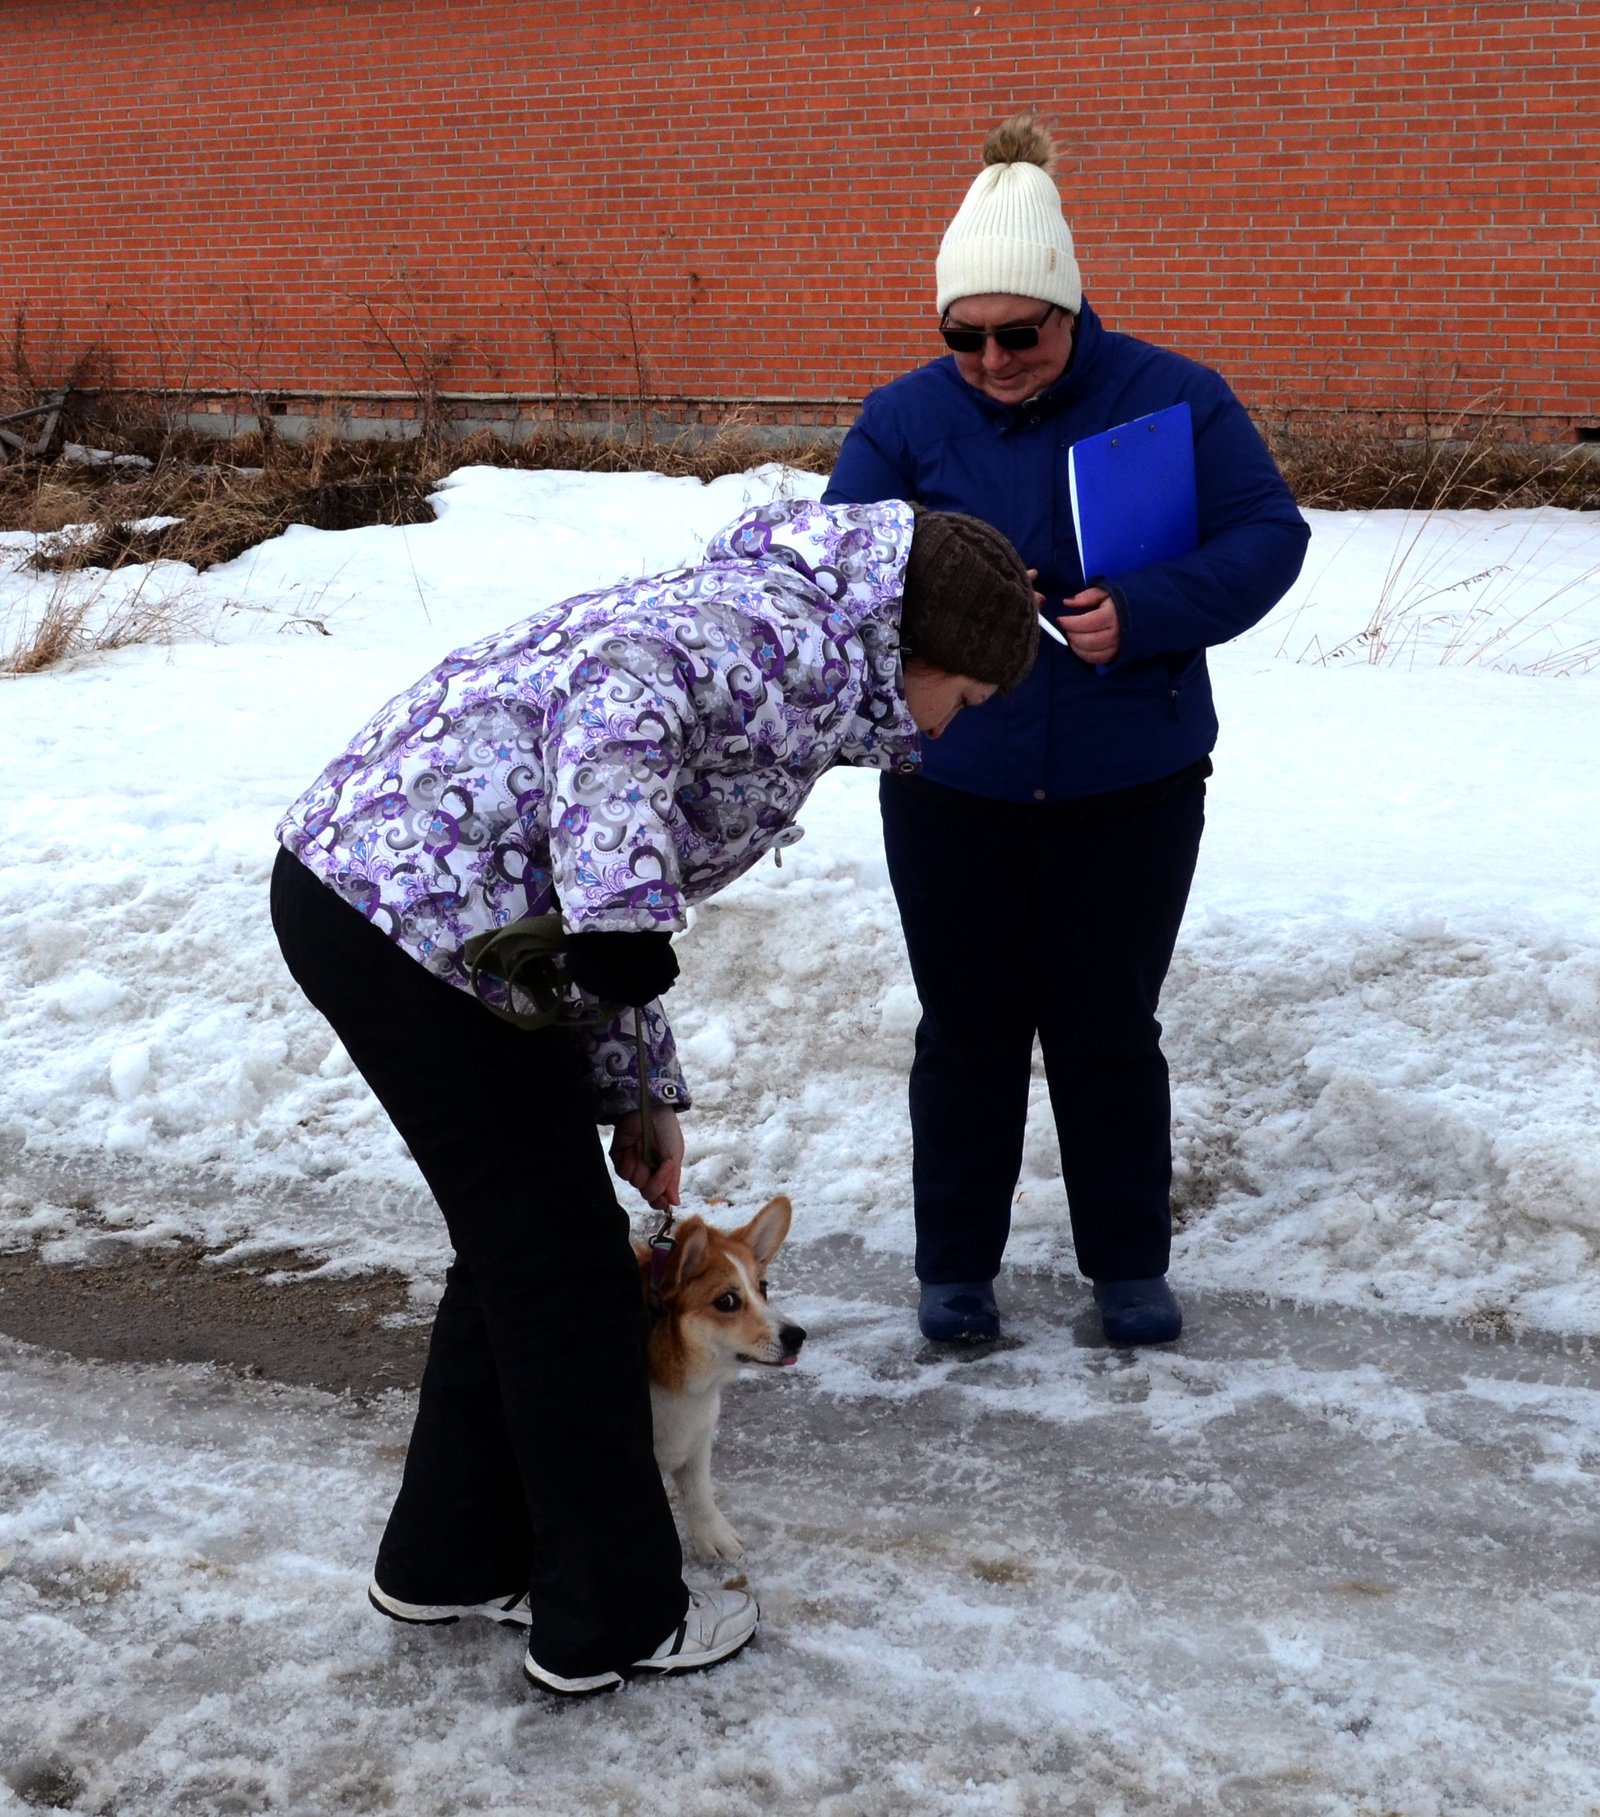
[[713, 1318]]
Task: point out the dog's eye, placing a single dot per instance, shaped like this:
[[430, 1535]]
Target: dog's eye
[[726, 1302], [763, 1286]]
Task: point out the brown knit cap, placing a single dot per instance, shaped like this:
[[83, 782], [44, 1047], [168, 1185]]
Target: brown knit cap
[[969, 606]]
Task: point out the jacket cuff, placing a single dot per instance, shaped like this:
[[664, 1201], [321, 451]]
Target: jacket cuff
[[614, 1065]]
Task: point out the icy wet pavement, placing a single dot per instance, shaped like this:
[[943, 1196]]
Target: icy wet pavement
[[1299, 1563]]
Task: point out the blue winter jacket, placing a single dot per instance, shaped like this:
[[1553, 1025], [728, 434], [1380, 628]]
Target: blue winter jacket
[[1069, 729]]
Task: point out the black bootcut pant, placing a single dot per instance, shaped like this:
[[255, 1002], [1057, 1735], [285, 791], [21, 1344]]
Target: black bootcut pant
[[1057, 919], [531, 1459]]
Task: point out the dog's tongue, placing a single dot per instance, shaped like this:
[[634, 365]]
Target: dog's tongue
[[788, 1362]]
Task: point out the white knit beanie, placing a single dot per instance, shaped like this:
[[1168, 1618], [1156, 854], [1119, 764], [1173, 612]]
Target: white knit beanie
[[1009, 237]]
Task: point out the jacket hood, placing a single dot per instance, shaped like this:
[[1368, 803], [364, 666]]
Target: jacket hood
[[852, 561], [854, 555]]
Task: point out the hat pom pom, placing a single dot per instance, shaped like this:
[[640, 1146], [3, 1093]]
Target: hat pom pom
[[1020, 140]]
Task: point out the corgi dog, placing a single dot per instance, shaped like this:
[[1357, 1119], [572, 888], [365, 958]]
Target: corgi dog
[[709, 1315]]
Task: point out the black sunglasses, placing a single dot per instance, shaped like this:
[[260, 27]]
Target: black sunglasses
[[1014, 340]]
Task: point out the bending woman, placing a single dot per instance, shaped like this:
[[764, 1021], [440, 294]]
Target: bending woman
[[615, 758]]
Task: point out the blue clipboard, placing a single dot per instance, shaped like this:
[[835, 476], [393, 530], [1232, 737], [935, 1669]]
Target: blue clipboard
[[1133, 494]]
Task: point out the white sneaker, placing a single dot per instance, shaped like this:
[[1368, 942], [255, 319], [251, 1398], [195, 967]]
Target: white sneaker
[[510, 1611], [715, 1626]]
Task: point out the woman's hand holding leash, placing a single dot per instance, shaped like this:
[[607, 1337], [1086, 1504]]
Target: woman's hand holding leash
[[659, 1188]]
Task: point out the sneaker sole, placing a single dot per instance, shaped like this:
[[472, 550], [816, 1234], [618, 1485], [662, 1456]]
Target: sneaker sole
[[554, 1685], [430, 1615]]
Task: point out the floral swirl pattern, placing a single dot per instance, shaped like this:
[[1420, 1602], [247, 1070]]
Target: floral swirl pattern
[[624, 754]]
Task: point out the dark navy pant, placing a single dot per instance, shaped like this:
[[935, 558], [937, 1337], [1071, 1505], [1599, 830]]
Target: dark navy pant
[[1056, 920], [531, 1461]]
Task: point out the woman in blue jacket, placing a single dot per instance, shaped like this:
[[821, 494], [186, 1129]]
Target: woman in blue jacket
[[1079, 798]]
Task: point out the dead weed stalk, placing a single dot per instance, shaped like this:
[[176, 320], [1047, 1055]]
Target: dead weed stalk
[[82, 617]]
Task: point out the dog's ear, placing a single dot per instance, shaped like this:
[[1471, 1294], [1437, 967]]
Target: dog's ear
[[765, 1232], [688, 1252]]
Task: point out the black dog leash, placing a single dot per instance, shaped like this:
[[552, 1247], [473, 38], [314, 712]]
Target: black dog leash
[[661, 1244], [522, 957]]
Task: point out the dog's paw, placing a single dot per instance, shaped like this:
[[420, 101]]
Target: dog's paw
[[714, 1539]]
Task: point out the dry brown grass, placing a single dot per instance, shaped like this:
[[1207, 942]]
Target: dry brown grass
[[50, 641], [734, 448], [1350, 466], [52, 505], [221, 518], [79, 619], [232, 495]]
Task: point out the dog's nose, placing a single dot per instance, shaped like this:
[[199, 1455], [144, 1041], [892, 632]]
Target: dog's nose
[[791, 1337]]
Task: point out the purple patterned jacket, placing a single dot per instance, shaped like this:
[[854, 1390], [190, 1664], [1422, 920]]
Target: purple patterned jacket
[[623, 754]]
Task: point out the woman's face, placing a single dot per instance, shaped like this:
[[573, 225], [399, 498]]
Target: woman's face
[[935, 696], [1012, 378]]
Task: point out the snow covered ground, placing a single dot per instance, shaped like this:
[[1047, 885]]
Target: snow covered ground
[[1301, 1566], [1333, 1553]]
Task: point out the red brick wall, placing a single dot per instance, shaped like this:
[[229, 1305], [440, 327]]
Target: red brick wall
[[1388, 206]]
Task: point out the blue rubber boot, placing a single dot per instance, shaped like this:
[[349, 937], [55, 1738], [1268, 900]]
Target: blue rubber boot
[[959, 1312], [1138, 1312]]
